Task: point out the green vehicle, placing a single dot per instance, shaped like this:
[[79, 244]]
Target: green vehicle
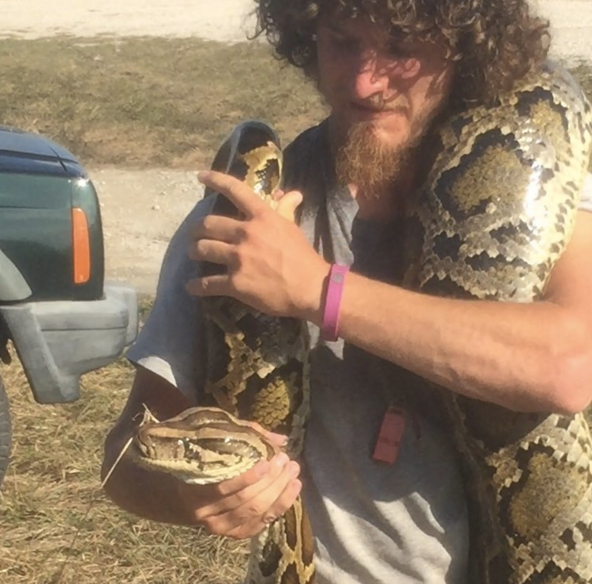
[[54, 305]]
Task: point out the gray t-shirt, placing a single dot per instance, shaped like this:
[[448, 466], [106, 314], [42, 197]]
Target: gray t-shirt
[[373, 522]]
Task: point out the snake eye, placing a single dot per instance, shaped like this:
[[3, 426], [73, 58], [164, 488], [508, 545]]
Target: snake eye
[[189, 450]]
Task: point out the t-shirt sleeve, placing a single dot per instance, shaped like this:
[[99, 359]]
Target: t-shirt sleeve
[[586, 200], [170, 344]]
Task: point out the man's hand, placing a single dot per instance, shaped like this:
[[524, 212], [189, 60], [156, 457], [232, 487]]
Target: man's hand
[[241, 507], [270, 264]]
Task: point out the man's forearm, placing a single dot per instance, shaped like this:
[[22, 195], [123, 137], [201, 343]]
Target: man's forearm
[[528, 357], [150, 495]]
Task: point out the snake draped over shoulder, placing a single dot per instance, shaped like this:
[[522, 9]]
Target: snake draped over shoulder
[[489, 223], [492, 219]]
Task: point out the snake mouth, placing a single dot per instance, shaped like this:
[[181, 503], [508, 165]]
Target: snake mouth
[[142, 448], [147, 453], [201, 461]]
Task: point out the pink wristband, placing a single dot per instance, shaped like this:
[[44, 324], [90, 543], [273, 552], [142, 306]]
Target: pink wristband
[[333, 302]]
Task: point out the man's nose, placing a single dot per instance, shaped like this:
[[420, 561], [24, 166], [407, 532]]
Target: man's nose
[[377, 74], [370, 76]]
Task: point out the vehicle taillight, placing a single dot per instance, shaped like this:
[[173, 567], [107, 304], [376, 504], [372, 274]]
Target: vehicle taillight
[[80, 246]]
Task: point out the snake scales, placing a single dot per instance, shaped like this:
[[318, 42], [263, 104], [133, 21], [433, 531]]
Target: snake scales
[[493, 216]]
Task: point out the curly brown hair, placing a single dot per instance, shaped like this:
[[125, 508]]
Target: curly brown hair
[[494, 42]]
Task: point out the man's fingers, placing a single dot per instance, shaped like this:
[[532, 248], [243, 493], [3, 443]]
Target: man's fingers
[[277, 440], [284, 501], [242, 501], [210, 250], [272, 501], [266, 475], [216, 285], [277, 194], [248, 478], [218, 227], [234, 190]]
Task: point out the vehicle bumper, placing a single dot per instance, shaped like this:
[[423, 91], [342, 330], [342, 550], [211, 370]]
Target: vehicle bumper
[[59, 341]]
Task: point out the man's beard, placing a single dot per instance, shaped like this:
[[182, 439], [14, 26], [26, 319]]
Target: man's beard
[[363, 160]]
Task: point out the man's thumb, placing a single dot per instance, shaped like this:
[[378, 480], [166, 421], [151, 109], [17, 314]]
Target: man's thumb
[[288, 204]]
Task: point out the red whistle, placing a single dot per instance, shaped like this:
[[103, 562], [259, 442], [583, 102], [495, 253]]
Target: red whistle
[[390, 435]]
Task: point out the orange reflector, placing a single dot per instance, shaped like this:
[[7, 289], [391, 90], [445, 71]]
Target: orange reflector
[[80, 246]]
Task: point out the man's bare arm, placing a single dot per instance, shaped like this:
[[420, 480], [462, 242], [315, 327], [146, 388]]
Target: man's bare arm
[[149, 495], [527, 357]]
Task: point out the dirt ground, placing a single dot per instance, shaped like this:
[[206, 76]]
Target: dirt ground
[[141, 209]]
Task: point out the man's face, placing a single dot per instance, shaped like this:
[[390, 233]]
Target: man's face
[[383, 94]]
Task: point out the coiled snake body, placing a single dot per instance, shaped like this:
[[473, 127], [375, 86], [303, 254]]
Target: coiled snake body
[[492, 218]]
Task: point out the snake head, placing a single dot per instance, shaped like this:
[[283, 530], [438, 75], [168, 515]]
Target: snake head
[[201, 445], [252, 153]]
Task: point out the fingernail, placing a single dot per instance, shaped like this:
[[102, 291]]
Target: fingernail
[[280, 439], [269, 520], [294, 470], [281, 460], [203, 175]]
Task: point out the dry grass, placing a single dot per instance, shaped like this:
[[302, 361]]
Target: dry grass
[[148, 102], [57, 526], [141, 102], [136, 103], [51, 495], [583, 73]]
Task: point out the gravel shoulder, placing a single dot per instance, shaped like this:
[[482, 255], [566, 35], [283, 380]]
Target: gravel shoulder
[[141, 209]]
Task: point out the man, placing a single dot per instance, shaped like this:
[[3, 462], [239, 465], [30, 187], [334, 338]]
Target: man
[[387, 71]]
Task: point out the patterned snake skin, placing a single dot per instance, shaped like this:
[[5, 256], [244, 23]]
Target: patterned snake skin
[[495, 215], [257, 365]]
